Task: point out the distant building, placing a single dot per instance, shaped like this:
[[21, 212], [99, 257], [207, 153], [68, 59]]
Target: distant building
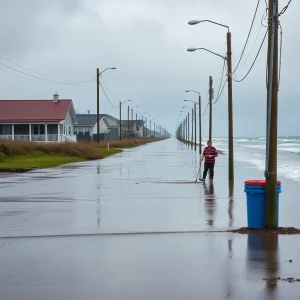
[[50, 120], [136, 128], [86, 128]]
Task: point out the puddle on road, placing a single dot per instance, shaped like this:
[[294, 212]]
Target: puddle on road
[[35, 199], [12, 213], [175, 182]]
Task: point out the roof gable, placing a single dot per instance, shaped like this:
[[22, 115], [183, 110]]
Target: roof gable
[[91, 119], [34, 110]]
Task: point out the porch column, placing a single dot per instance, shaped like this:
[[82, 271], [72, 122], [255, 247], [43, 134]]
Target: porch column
[[13, 132], [58, 132], [46, 132], [29, 132]]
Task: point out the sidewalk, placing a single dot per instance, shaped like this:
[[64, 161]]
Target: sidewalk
[[136, 226]]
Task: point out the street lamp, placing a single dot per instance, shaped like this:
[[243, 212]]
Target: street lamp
[[142, 116], [229, 80], [187, 125], [192, 49], [200, 122], [193, 117], [121, 118], [132, 117], [98, 101]]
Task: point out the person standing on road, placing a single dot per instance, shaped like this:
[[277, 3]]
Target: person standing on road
[[209, 154]]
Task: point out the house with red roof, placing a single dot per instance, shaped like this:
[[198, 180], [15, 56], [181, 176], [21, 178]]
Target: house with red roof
[[50, 120]]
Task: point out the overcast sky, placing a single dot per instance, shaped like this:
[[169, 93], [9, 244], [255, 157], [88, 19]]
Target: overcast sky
[[146, 40]]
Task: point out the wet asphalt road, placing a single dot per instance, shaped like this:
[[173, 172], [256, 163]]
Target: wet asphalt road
[[136, 226]]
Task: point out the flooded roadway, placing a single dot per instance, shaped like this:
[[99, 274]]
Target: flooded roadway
[[136, 226]]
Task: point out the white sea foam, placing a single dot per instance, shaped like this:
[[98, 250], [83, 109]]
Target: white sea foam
[[253, 152]]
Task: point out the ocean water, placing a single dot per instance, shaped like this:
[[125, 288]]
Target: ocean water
[[253, 151]]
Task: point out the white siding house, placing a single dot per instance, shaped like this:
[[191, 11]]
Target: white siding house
[[37, 120]]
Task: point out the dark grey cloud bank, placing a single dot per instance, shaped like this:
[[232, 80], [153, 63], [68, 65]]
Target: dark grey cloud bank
[[147, 40]]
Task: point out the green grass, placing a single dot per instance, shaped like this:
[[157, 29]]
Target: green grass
[[44, 160], [37, 160], [105, 152]]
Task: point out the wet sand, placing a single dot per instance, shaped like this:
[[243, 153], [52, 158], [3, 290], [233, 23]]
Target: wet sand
[[136, 226]]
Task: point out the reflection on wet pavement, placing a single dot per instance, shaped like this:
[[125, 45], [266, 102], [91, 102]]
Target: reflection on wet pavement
[[137, 226]]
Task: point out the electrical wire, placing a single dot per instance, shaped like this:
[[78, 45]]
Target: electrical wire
[[107, 96], [247, 37], [284, 9], [221, 92], [221, 80], [35, 77], [264, 18], [55, 78], [205, 109], [20, 75], [240, 80], [253, 45]]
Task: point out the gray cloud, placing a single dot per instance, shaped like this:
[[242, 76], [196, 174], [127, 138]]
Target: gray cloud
[[146, 40]]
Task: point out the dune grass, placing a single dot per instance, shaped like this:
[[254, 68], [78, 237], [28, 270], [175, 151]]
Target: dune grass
[[26, 155]]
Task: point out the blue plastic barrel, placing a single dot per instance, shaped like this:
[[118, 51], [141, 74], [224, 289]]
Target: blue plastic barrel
[[256, 207]]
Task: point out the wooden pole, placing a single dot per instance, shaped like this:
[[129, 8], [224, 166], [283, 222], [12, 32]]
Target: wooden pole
[[230, 117], [98, 106], [272, 118], [210, 108]]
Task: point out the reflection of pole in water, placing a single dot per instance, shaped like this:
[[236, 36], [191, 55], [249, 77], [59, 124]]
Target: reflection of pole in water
[[262, 260], [228, 278], [271, 262], [230, 204], [98, 213], [209, 198]]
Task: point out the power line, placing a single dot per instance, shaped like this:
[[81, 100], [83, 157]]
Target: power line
[[221, 80], [27, 69], [205, 108], [221, 92], [247, 37], [284, 9], [31, 76], [107, 96], [20, 75], [240, 80], [253, 45]]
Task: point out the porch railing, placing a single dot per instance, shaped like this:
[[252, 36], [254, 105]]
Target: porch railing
[[40, 138]]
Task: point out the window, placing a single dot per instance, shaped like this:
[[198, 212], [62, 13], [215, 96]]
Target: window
[[138, 128], [38, 129]]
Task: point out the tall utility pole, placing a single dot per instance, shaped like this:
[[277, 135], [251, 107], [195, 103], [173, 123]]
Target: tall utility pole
[[132, 120], [136, 121], [230, 122], [272, 118], [210, 107], [154, 129], [120, 121], [128, 121], [186, 129], [192, 139], [98, 105], [188, 139], [195, 110], [200, 133]]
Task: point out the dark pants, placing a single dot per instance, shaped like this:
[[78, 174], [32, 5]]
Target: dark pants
[[210, 167]]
